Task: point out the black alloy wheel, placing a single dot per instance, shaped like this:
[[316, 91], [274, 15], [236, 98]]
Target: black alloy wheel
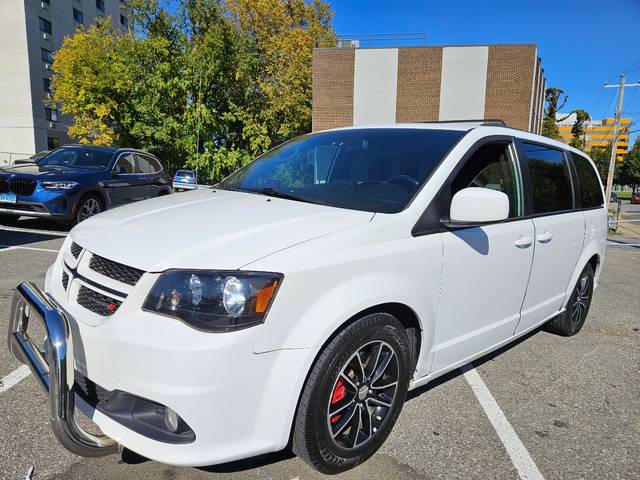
[[353, 394]]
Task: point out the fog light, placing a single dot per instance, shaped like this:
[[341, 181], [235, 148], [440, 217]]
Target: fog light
[[171, 419]]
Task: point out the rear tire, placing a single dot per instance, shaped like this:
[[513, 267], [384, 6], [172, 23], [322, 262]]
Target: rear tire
[[572, 319], [353, 394]]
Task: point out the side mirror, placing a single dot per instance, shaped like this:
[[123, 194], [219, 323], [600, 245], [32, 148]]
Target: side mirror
[[120, 170], [475, 206]]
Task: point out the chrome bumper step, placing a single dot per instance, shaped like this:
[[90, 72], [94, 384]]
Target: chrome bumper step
[[55, 374]]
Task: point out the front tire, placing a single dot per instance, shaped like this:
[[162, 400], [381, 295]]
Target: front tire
[[572, 319], [88, 206], [353, 394]]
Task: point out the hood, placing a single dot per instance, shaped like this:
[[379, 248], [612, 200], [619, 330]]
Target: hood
[[45, 173], [208, 229]]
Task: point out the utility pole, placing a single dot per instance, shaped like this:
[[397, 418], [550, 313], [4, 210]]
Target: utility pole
[[616, 130]]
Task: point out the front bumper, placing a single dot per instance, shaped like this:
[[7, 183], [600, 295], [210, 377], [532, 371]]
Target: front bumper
[[239, 404], [42, 203], [55, 374]]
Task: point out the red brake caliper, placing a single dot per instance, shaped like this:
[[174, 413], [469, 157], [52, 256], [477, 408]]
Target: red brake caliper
[[338, 394]]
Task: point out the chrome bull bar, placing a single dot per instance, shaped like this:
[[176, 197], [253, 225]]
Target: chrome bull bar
[[55, 373]]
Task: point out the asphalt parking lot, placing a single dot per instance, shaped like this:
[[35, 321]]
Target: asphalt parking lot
[[546, 407]]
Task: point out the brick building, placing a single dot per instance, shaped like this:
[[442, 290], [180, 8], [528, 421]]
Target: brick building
[[356, 86]]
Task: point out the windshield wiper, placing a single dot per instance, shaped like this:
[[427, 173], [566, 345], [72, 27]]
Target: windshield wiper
[[270, 192]]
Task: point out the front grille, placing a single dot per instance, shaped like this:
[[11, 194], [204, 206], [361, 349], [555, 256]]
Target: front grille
[[115, 270], [65, 280], [75, 249], [19, 186], [97, 302], [90, 392]]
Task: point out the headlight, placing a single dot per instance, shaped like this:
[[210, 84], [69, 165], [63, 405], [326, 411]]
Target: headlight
[[214, 301], [59, 185]]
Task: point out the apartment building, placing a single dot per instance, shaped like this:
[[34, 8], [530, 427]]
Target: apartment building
[[356, 86], [598, 133], [30, 32]]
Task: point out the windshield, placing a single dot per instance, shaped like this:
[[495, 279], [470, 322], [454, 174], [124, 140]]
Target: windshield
[[184, 173], [372, 169], [78, 158]]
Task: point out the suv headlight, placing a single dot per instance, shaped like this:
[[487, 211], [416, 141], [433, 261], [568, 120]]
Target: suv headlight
[[214, 301], [59, 185]]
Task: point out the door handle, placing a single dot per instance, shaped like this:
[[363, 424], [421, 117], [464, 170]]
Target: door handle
[[523, 241], [545, 237]]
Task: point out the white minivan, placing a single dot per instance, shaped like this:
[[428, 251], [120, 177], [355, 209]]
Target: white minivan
[[307, 292]]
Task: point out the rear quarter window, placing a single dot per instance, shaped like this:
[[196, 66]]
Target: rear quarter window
[[589, 188]]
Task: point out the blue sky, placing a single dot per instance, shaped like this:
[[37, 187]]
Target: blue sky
[[582, 43]]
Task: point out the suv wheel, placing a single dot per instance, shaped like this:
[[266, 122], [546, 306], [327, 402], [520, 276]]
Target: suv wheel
[[353, 395], [572, 319], [88, 206]]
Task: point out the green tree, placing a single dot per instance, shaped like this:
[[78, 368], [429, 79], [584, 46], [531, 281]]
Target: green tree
[[552, 96], [578, 128], [630, 167], [601, 156], [209, 84]]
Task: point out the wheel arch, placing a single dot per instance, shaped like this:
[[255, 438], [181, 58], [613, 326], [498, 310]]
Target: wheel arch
[[404, 313], [92, 190], [591, 255]]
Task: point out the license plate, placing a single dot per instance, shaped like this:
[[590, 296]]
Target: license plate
[[8, 198]]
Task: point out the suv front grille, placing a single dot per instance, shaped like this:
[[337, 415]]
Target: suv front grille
[[115, 270], [65, 280], [19, 186], [97, 302], [75, 249], [90, 392]]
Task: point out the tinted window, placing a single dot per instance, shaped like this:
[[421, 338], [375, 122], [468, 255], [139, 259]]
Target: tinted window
[[371, 169], [155, 164], [126, 163], [588, 182], [491, 167], [77, 158], [185, 173], [45, 25], [46, 55], [550, 180], [143, 165]]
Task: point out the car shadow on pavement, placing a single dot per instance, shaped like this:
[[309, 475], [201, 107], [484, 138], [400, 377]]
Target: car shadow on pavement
[[16, 238], [131, 458], [476, 363], [42, 224]]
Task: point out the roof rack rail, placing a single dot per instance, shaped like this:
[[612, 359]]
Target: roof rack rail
[[495, 122]]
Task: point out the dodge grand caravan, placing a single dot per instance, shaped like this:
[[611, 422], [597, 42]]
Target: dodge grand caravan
[[307, 292]]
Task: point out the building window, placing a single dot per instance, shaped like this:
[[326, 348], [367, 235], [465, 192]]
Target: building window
[[46, 55], [45, 26], [53, 143], [100, 5], [46, 83], [124, 21], [51, 114], [78, 16]]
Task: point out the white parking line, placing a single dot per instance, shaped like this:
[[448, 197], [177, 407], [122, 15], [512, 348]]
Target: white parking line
[[526, 467], [6, 248], [14, 378]]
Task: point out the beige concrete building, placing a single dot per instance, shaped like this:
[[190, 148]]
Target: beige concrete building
[[357, 86], [30, 31]]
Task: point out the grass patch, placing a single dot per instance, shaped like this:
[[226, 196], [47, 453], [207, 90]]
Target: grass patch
[[624, 195]]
